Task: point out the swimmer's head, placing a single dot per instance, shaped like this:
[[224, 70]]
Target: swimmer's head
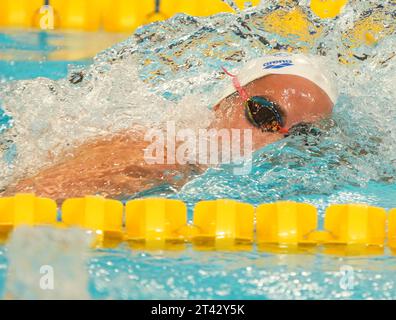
[[286, 90]]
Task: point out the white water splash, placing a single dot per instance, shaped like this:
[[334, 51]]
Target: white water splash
[[170, 70], [47, 263]]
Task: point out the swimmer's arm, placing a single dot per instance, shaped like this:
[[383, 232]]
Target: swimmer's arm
[[112, 168]]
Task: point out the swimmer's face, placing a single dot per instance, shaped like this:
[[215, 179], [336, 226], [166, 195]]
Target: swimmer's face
[[300, 100]]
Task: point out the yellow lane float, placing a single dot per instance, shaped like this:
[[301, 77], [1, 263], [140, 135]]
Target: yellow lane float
[[355, 224], [18, 13], [392, 229], [223, 224], [291, 23], [156, 223], [102, 216], [285, 223], [78, 14], [127, 15], [355, 230], [25, 209], [327, 8]]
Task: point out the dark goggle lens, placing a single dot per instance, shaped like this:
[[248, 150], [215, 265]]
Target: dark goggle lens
[[263, 114]]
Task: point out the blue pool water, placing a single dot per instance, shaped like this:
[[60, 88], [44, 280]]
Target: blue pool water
[[354, 161], [27, 55]]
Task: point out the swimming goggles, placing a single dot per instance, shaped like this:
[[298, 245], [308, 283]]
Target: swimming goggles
[[261, 112]]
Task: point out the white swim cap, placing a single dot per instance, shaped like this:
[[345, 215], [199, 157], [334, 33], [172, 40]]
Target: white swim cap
[[308, 67]]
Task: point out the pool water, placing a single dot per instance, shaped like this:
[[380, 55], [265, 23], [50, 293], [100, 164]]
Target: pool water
[[30, 54], [173, 63]]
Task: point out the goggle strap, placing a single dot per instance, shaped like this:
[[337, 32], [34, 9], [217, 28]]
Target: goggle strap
[[237, 85], [284, 130]]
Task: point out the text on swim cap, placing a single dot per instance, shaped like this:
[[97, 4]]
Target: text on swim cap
[[278, 64]]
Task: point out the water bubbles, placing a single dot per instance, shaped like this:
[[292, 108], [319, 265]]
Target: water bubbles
[[47, 263], [178, 59]]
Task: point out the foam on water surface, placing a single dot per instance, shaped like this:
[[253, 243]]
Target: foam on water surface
[[47, 263]]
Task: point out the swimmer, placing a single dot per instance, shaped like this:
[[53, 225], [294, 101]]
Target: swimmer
[[270, 96]]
